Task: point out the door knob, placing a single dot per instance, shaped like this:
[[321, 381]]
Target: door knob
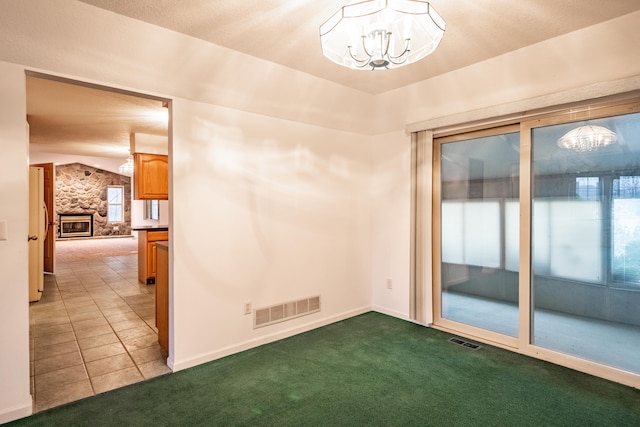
[[32, 238]]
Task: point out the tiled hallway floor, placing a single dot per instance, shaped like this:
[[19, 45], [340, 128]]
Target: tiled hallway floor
[[94, 328]]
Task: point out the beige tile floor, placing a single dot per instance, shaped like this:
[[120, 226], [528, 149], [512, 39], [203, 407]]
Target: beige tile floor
[[94, 328]]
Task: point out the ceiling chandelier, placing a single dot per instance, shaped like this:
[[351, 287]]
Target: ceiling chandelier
[[376, 34], [127, 167], [587, 138]]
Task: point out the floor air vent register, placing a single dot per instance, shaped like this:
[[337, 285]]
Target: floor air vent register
[[286, 311], [463, 343]]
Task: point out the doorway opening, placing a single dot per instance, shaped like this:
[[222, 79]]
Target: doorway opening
[[93, 328]]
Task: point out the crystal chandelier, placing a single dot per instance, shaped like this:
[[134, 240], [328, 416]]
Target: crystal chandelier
[[127, 167], [376, 34], [587, 138]]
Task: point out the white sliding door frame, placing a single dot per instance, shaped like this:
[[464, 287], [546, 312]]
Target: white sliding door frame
[[425, 303]]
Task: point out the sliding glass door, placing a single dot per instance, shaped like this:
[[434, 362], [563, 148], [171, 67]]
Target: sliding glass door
[[586, 240], [478, 186], [536, 237]]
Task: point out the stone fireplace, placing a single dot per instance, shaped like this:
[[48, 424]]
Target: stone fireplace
[[81, 190]]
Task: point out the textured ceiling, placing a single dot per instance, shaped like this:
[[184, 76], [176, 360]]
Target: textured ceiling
[[73, 119], [287, 31]]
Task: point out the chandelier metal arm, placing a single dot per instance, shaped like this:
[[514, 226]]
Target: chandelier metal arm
[[360, 63], [405, 53]]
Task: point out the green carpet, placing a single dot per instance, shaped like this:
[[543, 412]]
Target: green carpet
[[371, 370]]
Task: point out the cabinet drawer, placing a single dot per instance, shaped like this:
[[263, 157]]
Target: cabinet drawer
[[154, 236]]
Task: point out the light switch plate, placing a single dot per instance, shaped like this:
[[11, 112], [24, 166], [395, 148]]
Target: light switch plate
[[3, 229]]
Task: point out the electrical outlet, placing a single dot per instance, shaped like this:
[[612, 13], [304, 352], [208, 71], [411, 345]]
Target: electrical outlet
[[247, 308], [389, 284]]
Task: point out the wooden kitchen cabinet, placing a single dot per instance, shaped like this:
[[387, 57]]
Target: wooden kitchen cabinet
[[147, 254], [162, 294], [150, 176]]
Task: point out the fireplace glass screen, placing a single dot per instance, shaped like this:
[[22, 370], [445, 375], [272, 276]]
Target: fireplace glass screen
[[76, 225]]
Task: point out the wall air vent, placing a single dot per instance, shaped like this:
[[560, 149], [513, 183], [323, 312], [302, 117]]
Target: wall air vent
[[289, 310]]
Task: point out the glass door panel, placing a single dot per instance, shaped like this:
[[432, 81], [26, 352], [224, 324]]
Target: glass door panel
[[586, 242], [479, 232]]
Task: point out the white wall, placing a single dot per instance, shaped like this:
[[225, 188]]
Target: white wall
[[266, 211], [15, 400], [602, 53], [269, 179], [271, 192], [82, 41], [106, 163], [390, 217], [593, 62]]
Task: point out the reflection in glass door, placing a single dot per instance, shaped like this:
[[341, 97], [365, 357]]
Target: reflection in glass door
[[586, 241], [479, 230], [536, 237]]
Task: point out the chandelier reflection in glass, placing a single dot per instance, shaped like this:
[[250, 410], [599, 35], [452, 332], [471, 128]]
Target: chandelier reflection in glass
[[587, 138], [381, 34]]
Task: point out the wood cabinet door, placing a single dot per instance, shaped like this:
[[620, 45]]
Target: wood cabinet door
[[147, 255], [150, 176], [152, 259], [162, 297]]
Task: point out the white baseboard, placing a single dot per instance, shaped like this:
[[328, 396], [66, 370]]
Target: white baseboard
[[246, 345], [15, 413], [392, 313]]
